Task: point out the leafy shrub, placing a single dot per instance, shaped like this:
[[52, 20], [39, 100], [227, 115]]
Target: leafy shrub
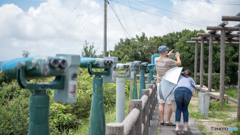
[[14, 117], [63, 117], [215, 80]]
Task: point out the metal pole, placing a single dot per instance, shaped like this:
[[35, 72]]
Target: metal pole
[[210, 63], [120, 99], [97, 118], [105, 30], [142, 81], [222, 66], [133, 88], [196, 59], [150, 77], [238, 108], [39, 113], [201, 64]]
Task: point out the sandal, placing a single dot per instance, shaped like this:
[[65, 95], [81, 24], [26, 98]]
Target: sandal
[[162, 124], [184, 131], [170, 124], [177, 129]]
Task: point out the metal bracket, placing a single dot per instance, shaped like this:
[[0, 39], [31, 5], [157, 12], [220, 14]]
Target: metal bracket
[[58, 83], [91, 72]]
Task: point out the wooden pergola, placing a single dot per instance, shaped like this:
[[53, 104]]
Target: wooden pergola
[[236, 18], [226, 37]]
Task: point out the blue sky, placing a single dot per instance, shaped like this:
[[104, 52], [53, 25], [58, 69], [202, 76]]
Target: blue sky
[[49, 27]]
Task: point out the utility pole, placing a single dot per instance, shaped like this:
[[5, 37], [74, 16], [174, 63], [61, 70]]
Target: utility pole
[[105, 30]]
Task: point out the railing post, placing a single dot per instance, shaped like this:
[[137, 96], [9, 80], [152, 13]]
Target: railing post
[[152, 94], [137, 128], [114, 129], [146, 109]]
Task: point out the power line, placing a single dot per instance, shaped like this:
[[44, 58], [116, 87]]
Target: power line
[[173, 11], [134, 16], [157, 14], [63, 23], [221, 3], [84, 27], [123, 17], [124, 30]]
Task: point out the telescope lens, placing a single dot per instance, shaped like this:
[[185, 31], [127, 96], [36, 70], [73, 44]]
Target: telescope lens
[[54, 63], [62, 63], [106, 62], [110, 62]]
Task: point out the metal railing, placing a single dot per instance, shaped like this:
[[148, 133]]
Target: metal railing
[[138, 120]]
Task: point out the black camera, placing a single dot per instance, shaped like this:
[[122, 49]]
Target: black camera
[[174, 51]]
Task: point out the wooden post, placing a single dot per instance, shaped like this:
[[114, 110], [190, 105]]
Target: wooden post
[[210, 63], [114, 129], [146, 123], [201, 64], [238, 108], [195, 63], [222, 66], [137, 128]]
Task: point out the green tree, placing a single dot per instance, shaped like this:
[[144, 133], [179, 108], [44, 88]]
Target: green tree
[[25, 53], [88, 50]]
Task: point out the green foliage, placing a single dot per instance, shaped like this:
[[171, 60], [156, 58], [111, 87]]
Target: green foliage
[[232, 92], [14, 116], [215, 80], [142, 48], [236, 132], [25, 53], [3, 78], [88, 50], [63, 118]]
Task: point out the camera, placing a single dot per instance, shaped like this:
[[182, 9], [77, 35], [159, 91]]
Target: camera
[[174, 51]]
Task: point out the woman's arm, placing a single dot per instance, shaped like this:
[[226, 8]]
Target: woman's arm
[[193, 93]]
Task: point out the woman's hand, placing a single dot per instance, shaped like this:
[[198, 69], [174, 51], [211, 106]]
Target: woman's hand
[[193, 93]]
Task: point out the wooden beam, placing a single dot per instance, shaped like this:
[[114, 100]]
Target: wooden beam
[[229, 31], [230, 18], [222, 66], [210, 63], [201, 64], [214, 39], [217, 35], [220, 28], [215, 42], [224, 23], [195, 62]]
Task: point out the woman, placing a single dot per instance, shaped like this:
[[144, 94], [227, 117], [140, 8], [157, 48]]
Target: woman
[[183, 92]]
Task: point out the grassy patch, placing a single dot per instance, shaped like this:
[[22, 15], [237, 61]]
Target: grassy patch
[[202, 128], [216, 106], [229, 122], [232, 92], [110, 117]]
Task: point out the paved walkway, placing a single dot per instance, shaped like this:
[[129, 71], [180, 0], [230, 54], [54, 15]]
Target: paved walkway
[[156, 129]]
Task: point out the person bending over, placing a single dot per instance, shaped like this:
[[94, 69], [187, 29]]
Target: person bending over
[[183, 92]]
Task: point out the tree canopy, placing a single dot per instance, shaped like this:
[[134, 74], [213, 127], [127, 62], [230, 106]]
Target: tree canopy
[[142, 48]]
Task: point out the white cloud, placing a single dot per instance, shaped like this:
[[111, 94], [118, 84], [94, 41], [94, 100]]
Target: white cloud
[[55, 27]]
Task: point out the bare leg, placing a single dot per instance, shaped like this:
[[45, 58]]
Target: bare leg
[[185, 125], [169, 113], [161, 111], [177, 125]]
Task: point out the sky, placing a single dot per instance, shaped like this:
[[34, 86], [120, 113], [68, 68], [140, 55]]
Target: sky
[[50, 27]]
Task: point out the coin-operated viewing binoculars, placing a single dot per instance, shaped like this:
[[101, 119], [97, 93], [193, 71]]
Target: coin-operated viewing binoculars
[[63, 67], [134, 68], [120, 92], [152, 60], [97, 118], [144, 67], [151, 68]]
